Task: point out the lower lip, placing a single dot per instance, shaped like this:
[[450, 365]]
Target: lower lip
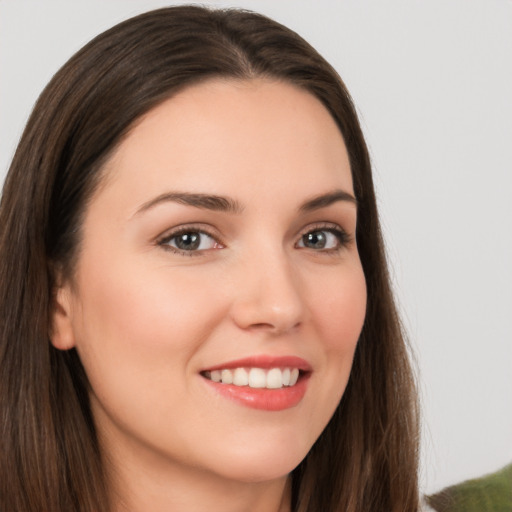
[[263, 398]]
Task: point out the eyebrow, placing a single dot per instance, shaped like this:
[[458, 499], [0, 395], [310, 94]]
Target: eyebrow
[[324, 200], [203, 201], [226, 204]]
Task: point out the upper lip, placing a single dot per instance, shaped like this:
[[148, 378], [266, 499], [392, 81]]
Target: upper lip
[[264, 361]]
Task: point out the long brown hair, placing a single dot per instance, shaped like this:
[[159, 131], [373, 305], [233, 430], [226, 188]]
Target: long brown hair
[[50, 460]]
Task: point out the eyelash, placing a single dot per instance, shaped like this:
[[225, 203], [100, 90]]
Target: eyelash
[[344, 239], [164, 241]]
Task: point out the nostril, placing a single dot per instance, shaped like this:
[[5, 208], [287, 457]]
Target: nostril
[[262, 326], [273, 303], [274, 328]]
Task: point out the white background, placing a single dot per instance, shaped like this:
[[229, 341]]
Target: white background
[[433, 85]]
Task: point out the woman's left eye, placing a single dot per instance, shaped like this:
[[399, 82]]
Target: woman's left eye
[[323, 239], [190, 241]]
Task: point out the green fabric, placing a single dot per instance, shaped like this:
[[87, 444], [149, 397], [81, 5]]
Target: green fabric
[[491, 493]]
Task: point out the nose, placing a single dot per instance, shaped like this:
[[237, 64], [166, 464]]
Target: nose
[[268, 295]]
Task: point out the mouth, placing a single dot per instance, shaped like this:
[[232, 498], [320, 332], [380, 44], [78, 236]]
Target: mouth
[[256, 378], [261, 382]]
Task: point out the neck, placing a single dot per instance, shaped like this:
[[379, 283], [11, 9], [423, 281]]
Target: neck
[[202, 495], [176, 488]]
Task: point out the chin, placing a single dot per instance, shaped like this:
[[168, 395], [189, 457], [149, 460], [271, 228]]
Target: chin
[[262, 463]]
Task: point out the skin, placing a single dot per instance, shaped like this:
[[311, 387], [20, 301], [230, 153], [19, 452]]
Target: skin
[[146, 319]]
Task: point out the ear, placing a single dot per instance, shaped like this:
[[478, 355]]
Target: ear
[[61, 329]]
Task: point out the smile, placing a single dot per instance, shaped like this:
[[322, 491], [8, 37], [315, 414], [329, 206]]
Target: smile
[[273, 378], [261, 382]]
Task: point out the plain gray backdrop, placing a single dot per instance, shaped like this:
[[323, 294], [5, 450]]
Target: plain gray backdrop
[[433, 85]]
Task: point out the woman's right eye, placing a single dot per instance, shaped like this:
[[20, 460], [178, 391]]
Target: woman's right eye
[[190, 241]]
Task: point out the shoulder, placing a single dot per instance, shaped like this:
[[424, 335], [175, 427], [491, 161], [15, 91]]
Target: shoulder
[[491, 493]]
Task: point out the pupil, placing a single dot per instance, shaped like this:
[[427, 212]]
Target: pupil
[[315, 240], [188, 241]]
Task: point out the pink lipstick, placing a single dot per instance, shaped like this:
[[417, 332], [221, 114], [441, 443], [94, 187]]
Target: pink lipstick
[[261, 382]]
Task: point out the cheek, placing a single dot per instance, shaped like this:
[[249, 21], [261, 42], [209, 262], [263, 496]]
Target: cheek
[[339, 310], [145, 306], [138, 333], [146, 323]]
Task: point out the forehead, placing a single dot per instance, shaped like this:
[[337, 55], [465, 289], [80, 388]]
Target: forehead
[[232, 137]]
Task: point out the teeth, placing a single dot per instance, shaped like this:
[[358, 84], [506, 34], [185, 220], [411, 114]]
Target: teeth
[[257, 378], [240, 377], [216, 376], [227, 377], [274, 378]]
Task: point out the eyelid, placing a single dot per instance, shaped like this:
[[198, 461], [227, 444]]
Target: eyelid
[[344, 237], [162, 240]]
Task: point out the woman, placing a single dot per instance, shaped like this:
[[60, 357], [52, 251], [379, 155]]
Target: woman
[[196, 312]]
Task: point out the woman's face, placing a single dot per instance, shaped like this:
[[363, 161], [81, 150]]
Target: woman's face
[[220, 245]]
